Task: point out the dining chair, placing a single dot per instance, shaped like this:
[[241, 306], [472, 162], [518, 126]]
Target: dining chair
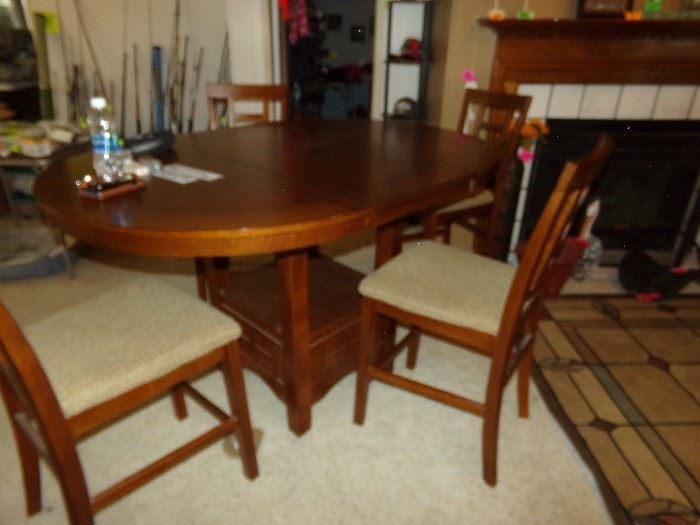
[[230, 94], [78, 370], [496, 118], [477, 302]]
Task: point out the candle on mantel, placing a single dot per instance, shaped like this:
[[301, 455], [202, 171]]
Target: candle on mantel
[[525, 13], [496, 13]]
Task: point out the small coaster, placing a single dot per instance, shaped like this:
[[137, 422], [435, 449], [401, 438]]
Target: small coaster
[[114, 191]]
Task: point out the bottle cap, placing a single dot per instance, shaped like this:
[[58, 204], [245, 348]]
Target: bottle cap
[[98, 103]]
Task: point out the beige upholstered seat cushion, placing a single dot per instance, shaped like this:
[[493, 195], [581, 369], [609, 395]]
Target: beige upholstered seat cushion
[[124, 337], [485, 197], [444, 283]]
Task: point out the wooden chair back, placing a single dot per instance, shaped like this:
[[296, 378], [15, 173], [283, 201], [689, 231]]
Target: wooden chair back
[[496, 118], [525, 299], [38, 422], [229, 94]]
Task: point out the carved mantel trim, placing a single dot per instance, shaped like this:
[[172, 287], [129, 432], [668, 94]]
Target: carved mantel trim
[[595, 52]]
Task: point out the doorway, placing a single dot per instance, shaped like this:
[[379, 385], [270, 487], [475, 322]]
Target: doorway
[[330, 70]]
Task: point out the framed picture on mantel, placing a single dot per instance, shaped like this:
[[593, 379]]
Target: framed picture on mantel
[[598, 8]]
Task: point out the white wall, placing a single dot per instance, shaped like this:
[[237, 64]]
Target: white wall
[[204, 21], [251, 41], [378, 59]]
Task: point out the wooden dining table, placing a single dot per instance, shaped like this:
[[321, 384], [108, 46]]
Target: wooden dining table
[[286, 188]]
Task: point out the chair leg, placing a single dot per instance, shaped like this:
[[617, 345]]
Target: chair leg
[[490, 439], [524, 370], [430, 226], [447, 233], [31, 475], [235, 387], [412, 354], [480, 242], [216, 278], [492, 415], [29, 461], [200, 266], [178, 396], [367, 328]]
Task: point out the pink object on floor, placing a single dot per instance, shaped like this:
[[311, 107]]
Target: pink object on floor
[[679, 270], [647, 297], [560, 271]]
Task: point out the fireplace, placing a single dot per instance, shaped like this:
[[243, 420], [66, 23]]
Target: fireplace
[[638, 80], [648, 189]]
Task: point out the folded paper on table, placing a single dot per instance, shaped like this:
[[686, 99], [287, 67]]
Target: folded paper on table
[[182, 174]]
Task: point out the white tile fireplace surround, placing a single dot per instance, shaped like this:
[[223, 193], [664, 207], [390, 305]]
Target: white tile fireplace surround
[[604, 102]]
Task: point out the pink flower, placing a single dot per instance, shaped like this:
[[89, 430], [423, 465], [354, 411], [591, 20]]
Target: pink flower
[[469, 75], [525, 155]]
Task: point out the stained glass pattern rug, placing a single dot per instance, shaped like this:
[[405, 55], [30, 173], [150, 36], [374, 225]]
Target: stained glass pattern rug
[[623, 378]]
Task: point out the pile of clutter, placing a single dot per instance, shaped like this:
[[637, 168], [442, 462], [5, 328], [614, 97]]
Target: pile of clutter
[[37, 140]]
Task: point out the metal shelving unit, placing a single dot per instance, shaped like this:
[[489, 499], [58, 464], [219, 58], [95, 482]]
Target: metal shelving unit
[[423, 65]]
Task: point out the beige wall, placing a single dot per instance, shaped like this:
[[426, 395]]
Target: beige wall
[[458, 43], [471, 46], [439, 48]]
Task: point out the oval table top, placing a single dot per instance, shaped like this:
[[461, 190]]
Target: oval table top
[[285, 186]]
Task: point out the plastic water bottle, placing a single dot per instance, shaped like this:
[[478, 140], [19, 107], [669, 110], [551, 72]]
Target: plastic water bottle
[[106, 151]]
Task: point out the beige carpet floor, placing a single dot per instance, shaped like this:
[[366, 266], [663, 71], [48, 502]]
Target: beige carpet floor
[[413, 461]]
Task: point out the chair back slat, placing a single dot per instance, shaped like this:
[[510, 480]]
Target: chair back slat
[[500, 116], [529, 306], [229, 94], [36, 414], [545, 245], [555, 237], [496, 118]]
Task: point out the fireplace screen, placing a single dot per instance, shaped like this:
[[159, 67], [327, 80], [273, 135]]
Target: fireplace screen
[[648, 190]]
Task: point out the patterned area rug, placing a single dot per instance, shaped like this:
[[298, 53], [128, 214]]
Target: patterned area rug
[[623, 378]]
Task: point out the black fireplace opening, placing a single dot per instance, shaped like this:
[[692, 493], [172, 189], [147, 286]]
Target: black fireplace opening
[[648, 189]]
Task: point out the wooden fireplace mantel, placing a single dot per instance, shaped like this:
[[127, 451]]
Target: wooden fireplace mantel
[[595, 52]]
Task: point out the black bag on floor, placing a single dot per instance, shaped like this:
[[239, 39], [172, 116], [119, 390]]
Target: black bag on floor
[[640, 274]]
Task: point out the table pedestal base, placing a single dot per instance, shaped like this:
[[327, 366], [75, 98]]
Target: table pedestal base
[[255, 299]]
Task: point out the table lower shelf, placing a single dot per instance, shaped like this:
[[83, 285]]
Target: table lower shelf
[[255, 299]]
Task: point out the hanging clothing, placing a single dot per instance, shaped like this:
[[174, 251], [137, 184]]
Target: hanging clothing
[[284, 7], [299, 22]]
